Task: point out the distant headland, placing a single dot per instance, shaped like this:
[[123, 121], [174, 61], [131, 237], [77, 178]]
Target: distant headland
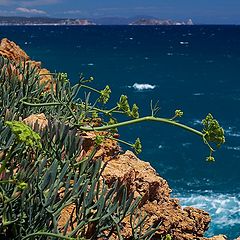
[[43, 21], [6, 21], [143, 21]]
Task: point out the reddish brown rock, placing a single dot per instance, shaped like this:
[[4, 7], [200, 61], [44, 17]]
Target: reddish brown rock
[[219, 237], [40, 119], [13, 52], [46, 78], [107, 150], [142, 179]]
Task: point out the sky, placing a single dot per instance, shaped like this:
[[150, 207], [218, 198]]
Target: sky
[[200, 11]]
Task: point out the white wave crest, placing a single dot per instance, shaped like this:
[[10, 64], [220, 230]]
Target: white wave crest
[[184, 43], [198, 94], [143, 86], [234, 134], [186, 144], [236, 148], [231, 132], [223, 208], [196, 122]]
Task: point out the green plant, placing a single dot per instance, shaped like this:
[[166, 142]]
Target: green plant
[[37, 187], [43, 172]]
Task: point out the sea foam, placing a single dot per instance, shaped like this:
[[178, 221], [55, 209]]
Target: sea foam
[[143, 86], [232, 132], [223, 208]]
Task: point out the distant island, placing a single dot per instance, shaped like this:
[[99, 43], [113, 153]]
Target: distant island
[[6, 21], [160, 22]]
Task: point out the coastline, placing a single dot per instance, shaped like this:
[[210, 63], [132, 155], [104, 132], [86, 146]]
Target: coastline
[[187, 223]]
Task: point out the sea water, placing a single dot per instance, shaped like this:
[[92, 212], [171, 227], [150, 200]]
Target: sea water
[[192, 68]]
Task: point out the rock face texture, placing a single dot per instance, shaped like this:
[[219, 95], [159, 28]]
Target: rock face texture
[[142, 179], [139, 177], [12, 51], [40, 119], [219, 237]]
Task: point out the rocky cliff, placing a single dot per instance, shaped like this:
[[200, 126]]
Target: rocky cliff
[[13, 52], [139, 177]]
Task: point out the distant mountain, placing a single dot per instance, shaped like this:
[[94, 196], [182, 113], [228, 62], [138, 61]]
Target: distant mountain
[[28, 20], [119, 20], [43, 21], [138, 20], [112, 21]]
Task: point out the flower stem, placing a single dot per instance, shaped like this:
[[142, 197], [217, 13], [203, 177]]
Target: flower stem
[[121, 141], [41, 104], [53, 235], [90, 88], [143, 119]]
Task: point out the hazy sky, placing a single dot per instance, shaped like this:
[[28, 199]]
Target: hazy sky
[[201, 11]]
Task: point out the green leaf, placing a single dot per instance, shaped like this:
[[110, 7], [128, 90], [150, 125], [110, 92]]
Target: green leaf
[[24, 134], [168, 237], [99, 139]]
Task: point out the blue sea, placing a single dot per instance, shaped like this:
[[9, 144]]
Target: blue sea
[[192, 68]]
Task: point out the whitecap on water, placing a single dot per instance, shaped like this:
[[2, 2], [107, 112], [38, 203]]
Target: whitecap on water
[[237, 134], [232, 132], [209, 61], [223, 208], [143, 86], [195, 122], [184, 43], [236, 148], [186, 144], [198, 94]]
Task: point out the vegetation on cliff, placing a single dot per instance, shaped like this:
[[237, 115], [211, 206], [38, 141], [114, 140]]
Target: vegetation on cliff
[[45, 169]]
